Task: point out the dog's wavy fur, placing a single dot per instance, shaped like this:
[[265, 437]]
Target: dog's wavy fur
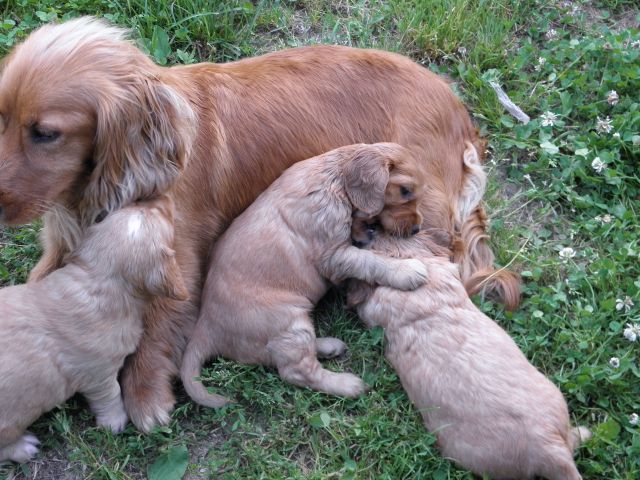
[[490, 409], [89, 123], [296, 239], [71, 331], [477, 269]]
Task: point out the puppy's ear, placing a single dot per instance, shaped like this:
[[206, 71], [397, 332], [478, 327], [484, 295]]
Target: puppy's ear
[[167, 280], [366, 177], [145, 131]]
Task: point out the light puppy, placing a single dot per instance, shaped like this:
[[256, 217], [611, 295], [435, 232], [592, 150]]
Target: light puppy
[[491, 410], [279, 257], [71, 331]]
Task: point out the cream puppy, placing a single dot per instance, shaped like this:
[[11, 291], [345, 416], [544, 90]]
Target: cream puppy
[[71, 331], [279, 257], [491, 410]]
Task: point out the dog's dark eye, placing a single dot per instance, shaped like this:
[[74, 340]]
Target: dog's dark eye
[[405, 192], [40, 135]]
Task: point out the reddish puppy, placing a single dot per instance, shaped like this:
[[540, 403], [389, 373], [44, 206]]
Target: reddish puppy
[[89, 123]]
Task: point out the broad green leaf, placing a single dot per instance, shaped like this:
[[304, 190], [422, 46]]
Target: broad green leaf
[[170, 464], [549, 147], [160, 47], [320, 420]]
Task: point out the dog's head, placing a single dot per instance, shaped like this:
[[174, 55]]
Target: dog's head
[[85, 122], [384, 185], [136, 243]]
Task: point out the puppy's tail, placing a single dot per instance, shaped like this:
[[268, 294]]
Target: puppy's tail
[[192, 360], [471, 250], [577, 436]]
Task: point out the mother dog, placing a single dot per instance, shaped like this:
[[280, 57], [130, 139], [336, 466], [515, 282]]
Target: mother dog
[[88, 123]]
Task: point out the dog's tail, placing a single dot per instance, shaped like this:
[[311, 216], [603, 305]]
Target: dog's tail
[[577, 436], [471, 250], [192, 360]]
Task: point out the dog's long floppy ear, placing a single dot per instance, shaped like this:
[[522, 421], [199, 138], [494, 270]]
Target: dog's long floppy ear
[[166, 280], [144, 135], [366, 177]]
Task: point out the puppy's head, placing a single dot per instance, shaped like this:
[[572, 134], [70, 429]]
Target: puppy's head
[[399, 213], [136, 243], [85, 122]]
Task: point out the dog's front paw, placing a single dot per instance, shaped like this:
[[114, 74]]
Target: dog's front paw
[[22, 450], [409, 275], [147, 416]]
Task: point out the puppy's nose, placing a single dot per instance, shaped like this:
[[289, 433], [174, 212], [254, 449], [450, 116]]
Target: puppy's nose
[[415, 229]]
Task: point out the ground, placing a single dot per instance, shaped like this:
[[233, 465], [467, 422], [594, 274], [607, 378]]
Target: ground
[[564, 197]]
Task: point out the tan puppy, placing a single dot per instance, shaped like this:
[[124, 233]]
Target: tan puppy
[[71, 331], [277, 259], [491, 410]]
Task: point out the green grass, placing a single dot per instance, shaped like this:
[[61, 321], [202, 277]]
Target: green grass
[[544, 195]]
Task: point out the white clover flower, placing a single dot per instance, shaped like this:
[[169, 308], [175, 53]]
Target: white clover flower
[[462, 51], [604, 126], [614, 362], [598, 165], [566, 253], [551, 34], [607, 218], [616, 135], [625, 304], [548, 119], [612, 97], [634, 419], [541, 62], [631, 332]]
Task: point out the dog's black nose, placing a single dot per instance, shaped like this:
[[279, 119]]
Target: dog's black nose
[[415, 229], [358, 244]]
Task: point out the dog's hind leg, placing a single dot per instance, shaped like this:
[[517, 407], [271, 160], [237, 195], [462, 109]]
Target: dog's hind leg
[[105, 401], [556, 463], [294, 354]]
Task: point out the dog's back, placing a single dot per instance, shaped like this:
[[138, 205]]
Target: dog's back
[[491, 410]]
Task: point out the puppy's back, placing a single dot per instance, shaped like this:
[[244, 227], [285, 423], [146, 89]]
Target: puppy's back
[[493, 412]]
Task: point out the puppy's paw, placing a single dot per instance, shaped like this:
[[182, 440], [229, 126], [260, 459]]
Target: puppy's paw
[[22, 450], [349, 385], [329, 347], [116, 419], [409, 274]]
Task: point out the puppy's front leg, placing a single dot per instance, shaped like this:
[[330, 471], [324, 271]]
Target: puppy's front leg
[[352, 262], [105, 401]]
